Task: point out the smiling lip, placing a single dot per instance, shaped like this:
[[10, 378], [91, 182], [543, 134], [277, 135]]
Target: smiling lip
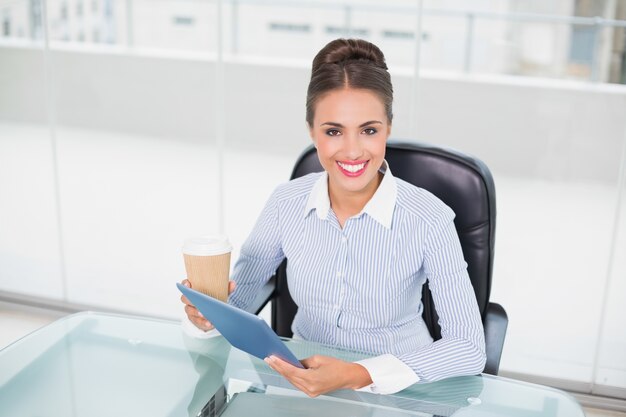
[[352, 168]]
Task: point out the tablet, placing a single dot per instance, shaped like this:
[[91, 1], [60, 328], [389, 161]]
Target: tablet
[[243, 330]]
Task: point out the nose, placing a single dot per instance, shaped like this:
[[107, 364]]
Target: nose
[[353, 147]]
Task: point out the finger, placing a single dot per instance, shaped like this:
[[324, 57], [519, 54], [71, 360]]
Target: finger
[[193, 312], [308, 363], [311, 362], [299, 378], [201, 323], [285, 368], [231, 286], [277, 365], [185, 300], [186, 283], [297, 381]]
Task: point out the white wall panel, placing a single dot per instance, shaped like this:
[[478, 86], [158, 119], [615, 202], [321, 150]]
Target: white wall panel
[[128, 202], [29, 236], [612, 350]]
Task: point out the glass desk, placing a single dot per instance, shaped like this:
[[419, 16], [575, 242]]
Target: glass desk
[[91, 364]]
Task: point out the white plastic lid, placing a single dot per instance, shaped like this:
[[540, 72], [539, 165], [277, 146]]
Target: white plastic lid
[[207, 245]]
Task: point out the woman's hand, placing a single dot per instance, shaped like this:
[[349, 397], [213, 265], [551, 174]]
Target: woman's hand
[[194, 314], [323, 374]]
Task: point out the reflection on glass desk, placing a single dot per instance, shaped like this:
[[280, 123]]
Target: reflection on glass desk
[[94, 365]]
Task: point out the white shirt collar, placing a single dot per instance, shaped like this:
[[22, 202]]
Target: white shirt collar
[[380, 207]]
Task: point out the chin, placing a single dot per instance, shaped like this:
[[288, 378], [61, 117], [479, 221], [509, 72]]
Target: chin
[[356, 184]]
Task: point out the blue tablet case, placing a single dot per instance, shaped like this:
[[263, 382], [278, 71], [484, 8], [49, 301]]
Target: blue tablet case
[[243, 330]]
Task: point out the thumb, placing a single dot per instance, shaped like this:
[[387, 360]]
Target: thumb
[[310, 362]]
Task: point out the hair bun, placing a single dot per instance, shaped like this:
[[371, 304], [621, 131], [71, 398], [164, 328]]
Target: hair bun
[[342, 50], [349, 63]]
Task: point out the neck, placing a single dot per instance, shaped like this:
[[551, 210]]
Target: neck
[[349, 204]]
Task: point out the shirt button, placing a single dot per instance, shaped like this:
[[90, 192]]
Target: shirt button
[[344, 239]]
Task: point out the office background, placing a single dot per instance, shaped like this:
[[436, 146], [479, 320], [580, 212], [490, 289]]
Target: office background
[[129, 125]]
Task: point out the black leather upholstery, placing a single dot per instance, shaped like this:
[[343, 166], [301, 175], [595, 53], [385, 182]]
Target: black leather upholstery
[[465, 184]]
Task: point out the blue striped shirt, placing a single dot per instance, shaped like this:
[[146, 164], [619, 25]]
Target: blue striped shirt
[[359, 287]]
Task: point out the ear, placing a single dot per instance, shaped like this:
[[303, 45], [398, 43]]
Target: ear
[[312, 136]]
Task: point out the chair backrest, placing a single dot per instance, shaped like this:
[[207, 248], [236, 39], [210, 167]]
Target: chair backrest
[[462, 182]]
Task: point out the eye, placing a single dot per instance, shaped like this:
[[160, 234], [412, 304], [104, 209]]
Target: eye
[[370, 131], [333, 132]]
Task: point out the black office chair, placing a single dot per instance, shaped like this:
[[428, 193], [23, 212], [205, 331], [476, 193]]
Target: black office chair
[[462, 182]]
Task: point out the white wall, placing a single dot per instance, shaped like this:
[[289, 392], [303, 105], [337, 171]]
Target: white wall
[[172, 97]]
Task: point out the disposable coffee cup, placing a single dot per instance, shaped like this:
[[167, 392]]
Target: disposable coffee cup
[[207, 262]]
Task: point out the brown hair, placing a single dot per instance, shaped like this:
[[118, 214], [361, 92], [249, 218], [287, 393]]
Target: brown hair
[[349, 63]]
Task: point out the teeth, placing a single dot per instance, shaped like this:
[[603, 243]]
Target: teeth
[[352, 168]]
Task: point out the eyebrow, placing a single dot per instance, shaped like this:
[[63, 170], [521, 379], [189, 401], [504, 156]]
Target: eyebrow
[[361, 125]]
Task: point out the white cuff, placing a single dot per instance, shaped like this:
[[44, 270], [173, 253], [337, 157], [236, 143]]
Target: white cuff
[[192, 331], [389, 374]]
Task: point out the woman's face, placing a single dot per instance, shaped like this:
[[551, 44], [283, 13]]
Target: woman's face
[[350, 131]]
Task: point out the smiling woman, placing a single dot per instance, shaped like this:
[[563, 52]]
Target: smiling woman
[[350, 130], [349, 113], [360, 245]]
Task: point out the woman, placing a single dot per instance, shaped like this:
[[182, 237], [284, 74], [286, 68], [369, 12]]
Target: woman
[[360, 245]]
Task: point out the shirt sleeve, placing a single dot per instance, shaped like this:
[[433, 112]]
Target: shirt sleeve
[[389, 374], [259, 257], [461, 349]]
